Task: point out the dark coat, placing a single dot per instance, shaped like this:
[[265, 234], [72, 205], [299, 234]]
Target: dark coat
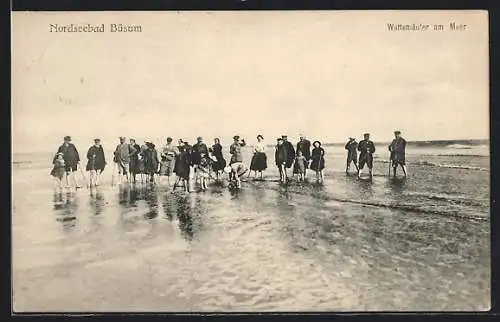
[[96, 158], [398, 149], [182, 162], [366, 147], [318, 159], [151, 161], [197, 150], [290, 153], [70, 154], [135, 149], [280, 154], [351, 147], [217, 153], [305, 147]]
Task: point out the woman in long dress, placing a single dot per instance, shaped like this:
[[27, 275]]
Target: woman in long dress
[[259, 158], [183, 165], [318, 160], [220, 162]]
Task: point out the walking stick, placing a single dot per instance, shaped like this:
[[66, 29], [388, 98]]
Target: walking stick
[[84, 177]]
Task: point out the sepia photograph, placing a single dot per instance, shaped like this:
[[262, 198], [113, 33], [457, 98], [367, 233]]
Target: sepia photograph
[[250, 161]]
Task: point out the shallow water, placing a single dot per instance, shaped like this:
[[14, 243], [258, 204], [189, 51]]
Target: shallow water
[[416, 244]]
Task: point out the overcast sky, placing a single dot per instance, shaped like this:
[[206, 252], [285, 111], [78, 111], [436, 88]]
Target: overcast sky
[[328, 75]]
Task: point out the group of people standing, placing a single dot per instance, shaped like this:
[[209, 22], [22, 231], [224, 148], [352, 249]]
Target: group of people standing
[[198, 163]]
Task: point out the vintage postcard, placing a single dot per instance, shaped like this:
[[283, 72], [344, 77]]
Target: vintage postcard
[[250, 161]]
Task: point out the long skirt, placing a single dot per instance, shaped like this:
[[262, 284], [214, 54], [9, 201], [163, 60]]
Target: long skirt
[[220, 164], [259, 162]]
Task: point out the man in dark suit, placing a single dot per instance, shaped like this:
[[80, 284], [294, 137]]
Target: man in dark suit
[[366, 148], [290, 151], [71, 159]]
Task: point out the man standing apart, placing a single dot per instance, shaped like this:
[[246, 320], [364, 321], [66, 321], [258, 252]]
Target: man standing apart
[[71, 160], [398, 153], [304, 146], [352, 154], [122, 159], [367, 148]]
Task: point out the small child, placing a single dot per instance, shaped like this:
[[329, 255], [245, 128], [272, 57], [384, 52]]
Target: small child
[[58, 171], [203, 171], [300, 166]]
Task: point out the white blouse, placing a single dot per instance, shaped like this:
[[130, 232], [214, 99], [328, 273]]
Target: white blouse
[[260, 147]]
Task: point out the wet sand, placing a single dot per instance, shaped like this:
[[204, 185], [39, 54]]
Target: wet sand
[[394, 245]]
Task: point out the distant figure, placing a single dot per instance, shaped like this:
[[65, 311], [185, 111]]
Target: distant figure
[[183, 165], [58, 171], [220, 162], [259, 158], [398, 152], [366, 148], [290, 152], [299, 167], [122, 155], [96, 162], [135, 165], [304, 146], [71, 160], [236, 163], [168, 156], [151, 162], [280, 158], [318, 161], [352, 154]]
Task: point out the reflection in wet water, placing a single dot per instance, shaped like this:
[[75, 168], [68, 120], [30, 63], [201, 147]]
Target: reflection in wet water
[[66, 206]]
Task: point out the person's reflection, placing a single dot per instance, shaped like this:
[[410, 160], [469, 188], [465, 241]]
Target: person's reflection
[[169, 206], [365, 189], [69, 207], [396, 188], [97, 204], [151, 198], [184, 215]]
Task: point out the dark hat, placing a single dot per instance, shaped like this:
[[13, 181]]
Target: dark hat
[[67, 138], [97, 140], [284, 136], [236, 137], [169, 139], [260, 136], [316, 142], [397, 132], [279, 139], [366, 134], [351, 138], [122, 138]]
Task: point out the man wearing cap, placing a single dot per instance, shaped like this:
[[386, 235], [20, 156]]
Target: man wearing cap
[[290, 151], [366, 148], [122, 159], [398, 152], [236, 163], [198, 150], [280, 158], [304, 146], [71, 159], [352, 154], [96, 161]]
